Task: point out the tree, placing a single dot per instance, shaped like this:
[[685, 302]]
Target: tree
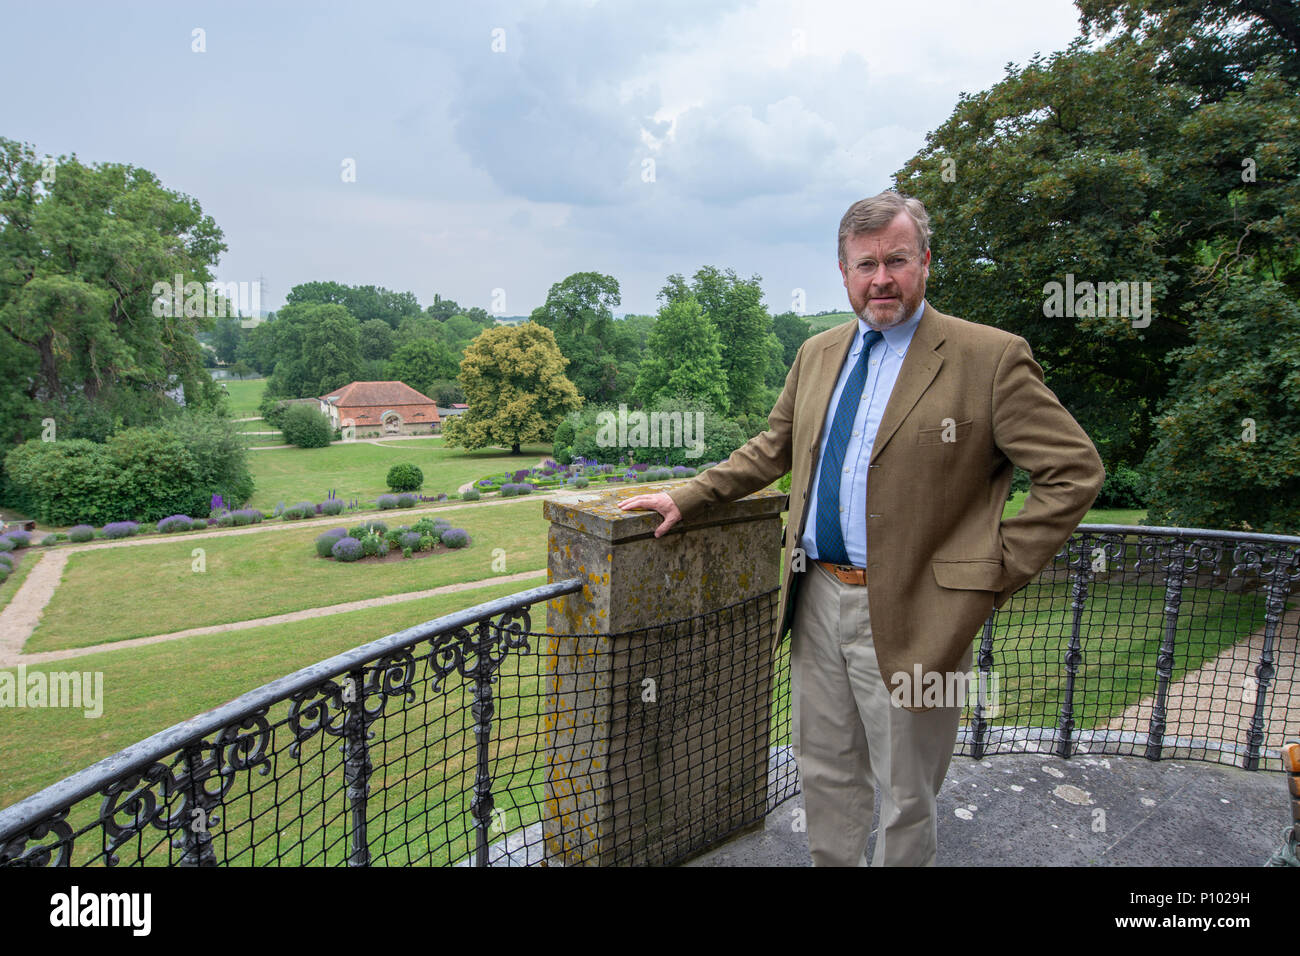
[[579, 310], [365, 302], [735, 308], [422, 363], [376, 339], [318, 349], [241, 370], [80, 258], [684, 357], [306, 426], [226, 334], [1227, 450], [791, 330], [514, 380], [1115, 165]]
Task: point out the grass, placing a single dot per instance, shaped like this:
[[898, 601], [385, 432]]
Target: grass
[[147, 689], [360, 469], [245, 396], [112, 594]]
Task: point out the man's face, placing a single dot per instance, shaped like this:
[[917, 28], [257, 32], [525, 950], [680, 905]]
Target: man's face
[[888, 295]]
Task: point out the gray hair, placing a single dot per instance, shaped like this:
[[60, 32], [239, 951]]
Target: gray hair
[[871, 215]]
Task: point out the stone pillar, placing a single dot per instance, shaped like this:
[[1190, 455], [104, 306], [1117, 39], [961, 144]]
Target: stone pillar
[[658, 691]]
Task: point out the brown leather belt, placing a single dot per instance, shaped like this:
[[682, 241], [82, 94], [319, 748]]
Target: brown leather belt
[[846, 573]]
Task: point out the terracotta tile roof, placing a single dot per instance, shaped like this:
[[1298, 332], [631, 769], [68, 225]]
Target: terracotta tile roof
[[366, 403]]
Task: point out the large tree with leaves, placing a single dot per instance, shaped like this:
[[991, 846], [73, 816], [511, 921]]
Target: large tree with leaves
[[1114, 162], [81, 248], [683, 357], [734, 307], [579, 309], [318, 348], [364, 302], [516, 389]]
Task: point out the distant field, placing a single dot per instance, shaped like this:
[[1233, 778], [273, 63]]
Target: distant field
[[360, 469], [244, 395], [820, 323]]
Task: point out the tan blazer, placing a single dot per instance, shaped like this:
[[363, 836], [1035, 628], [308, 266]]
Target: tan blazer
[[939, 555]]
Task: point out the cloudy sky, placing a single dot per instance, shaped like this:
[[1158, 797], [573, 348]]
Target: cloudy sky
[[505, 145]]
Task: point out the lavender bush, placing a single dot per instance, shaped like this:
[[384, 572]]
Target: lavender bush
[[410, 540], [19, 539], [346, 549], [407, 500], [81, 532], [455, 538], [120, 529], [385, 502], [174, 523], [470, 494], [49, 539], [332, 506], [303, 509], [326, 540]]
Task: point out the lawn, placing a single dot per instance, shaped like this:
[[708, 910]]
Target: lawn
[[244, 396], [147, 689], [360, 469], [112, 594]]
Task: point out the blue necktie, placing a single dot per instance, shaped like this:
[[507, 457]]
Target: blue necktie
[[830, 538]]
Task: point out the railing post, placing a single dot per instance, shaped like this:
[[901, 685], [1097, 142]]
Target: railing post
[[979, 726], [1175, 571], [658, 700], [357, 767], [196, 838], [1073, 654], [1278, 578], [481, 709]]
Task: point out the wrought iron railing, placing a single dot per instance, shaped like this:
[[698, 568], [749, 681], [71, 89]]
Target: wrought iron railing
[[1158, 642]]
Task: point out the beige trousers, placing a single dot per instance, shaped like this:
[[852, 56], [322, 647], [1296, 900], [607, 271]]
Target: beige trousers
[[848, 736]]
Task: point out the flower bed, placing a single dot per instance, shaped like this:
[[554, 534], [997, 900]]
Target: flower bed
[[373, 541]]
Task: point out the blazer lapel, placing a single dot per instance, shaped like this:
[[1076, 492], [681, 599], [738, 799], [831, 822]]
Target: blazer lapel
[[826, 373], [920, 366]]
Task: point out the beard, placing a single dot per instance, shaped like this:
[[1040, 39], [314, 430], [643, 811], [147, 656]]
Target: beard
[[881, 317]]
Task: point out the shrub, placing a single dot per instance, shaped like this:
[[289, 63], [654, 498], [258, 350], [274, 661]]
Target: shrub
[[199, 524], [509, 490], [306, 427], [346, 549], [332, 506], [408, 541], [374, 545], [455, 537], [6, 545], [426, 542], [4, 574], [386, 502], [423, 526], [303, 509], [326, 540], [244, 516], [120, 529], [374, 524], [579, 482], [407, 500], [19, 539], [49, 539], [80, 533], [1123, 488], [6, 560], [405, 477], [470, 495], [174, 523], [406, 552]]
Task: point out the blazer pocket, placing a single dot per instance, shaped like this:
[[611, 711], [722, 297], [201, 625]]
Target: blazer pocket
[[945, 434], [968, 575]]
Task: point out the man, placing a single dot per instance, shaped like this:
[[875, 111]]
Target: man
[[900, 431]]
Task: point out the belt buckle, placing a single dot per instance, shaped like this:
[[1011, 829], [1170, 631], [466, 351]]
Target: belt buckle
[[845, 567]]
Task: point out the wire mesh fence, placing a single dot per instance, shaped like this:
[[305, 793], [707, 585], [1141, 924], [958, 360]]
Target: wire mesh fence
[[478, 739]]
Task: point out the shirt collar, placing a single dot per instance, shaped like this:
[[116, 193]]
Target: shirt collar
[[897, 338]]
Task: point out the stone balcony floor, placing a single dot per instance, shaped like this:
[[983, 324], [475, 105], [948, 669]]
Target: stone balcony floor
[[1031, 809]]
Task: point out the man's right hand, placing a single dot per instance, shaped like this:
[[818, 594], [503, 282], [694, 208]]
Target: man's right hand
[[661, 503]]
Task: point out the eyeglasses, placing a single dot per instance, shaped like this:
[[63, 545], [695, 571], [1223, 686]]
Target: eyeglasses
[[893, 265]]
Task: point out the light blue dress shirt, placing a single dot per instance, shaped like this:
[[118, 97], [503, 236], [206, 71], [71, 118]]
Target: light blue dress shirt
[[883, 366]]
